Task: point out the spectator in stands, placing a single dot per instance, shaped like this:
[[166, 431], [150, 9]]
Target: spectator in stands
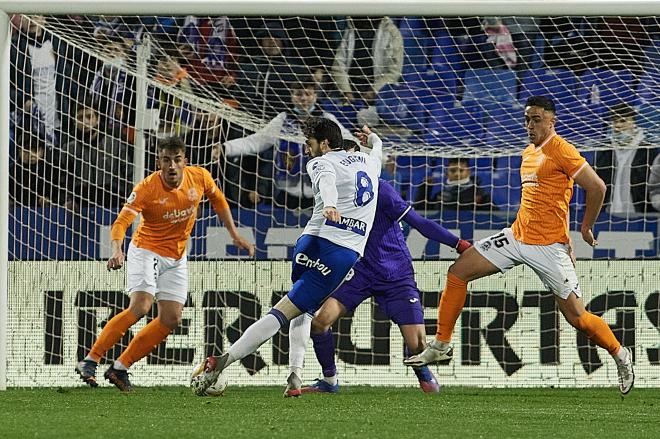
[[263, 87], [625, 167], [207, 50], [293, 187], [37, 75], [317, 39], [460, 191], [524, 31], [175, 115], [499, 36], [567, 43], [654, 183], [473, 44], [99, 166], [369, 56], [34, 180], [236, 174], [113, 90], [620, 43]]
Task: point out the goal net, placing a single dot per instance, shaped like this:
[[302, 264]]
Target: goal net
[[90, 96]]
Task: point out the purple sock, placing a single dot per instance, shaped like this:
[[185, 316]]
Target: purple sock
[[324, 347]]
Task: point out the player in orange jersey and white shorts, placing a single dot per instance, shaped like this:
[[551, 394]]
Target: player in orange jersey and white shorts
[[538, 238], [156, 261]]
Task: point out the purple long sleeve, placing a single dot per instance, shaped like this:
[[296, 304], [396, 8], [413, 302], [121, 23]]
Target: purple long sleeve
[[431, 229]]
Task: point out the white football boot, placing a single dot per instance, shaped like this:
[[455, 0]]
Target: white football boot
[[293, 385], [213, 366], [624, 369], [434, 352]]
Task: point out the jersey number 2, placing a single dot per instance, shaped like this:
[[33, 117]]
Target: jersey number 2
[[364, 189]]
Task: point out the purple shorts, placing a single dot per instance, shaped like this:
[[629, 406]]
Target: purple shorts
[[398, 299]]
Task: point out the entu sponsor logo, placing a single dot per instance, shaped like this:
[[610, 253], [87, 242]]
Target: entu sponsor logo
[[305, 261], [178, 215]]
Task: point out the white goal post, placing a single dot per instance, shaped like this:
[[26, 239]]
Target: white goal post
[[256, 7]]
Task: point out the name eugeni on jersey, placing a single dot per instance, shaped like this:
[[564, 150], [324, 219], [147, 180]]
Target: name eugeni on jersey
[[353, 173]]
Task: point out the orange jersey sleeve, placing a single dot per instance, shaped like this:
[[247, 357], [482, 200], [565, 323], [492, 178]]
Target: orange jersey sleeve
[[213, 193], [168, 214], [546, 174]]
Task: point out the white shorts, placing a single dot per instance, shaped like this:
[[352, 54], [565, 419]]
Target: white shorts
[[165, 278], [551, 263]]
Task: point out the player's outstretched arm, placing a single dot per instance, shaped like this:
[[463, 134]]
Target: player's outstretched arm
[[238, 240], [435, 231], [257, 142], [595, 189]]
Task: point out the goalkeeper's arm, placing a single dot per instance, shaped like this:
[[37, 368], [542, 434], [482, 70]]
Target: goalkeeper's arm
[[117, 234]]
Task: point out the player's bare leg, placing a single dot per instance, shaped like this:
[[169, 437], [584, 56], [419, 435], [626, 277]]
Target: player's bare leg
[[414, 337], [470, 265], [600, 333]]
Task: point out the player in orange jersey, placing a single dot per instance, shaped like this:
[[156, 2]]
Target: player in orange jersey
[[156, 264], [538, 238]]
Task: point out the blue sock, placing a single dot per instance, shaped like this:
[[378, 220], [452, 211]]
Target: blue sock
[[324, 347], [423, 373]]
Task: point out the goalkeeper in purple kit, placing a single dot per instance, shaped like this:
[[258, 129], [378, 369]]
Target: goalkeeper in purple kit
[[386, 273]]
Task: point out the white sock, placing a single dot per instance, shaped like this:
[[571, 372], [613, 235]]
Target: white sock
[[299, 329], [439, 345], [331, 380], [253, 337], [621, 355], [119, 366]]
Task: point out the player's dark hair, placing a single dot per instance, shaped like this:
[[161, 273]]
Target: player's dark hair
[[622, 111], [350, 144], [172, 144], [322, 129], [543, 102]]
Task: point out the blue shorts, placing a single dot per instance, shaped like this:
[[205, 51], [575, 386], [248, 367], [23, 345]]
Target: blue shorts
[[319, 267], [398, 298]]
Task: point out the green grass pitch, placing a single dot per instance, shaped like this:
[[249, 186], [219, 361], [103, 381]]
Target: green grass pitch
[[356, 412]]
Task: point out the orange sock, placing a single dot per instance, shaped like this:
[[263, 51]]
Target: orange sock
[[144, 342], [112, 332], [451, 304], [599, 332]]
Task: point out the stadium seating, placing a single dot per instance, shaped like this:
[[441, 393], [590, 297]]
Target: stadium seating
[[506, 182], [606, 87], [398, 104], [648, 88], [490, 85], [345, 113], [505, 127], [455, 125], [582, 125], [559, 84]]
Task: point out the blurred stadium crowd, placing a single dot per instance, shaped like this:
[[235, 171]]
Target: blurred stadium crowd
[[459, 83]]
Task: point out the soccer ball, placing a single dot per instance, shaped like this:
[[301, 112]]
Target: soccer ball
[[216, 389]]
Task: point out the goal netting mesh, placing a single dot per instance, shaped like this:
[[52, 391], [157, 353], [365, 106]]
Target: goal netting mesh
[[91, 96]]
